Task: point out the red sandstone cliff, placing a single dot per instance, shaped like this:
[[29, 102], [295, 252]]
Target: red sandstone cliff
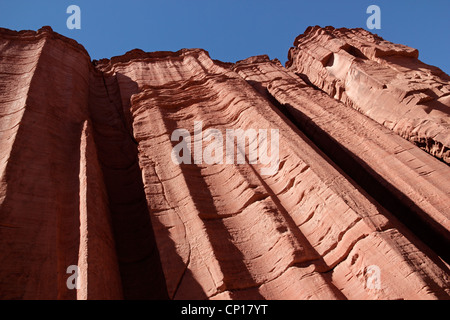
[[382, 80], [88, 177]]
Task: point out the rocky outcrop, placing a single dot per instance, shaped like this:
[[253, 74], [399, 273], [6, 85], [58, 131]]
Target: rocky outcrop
[[382, 80], [352, 211]]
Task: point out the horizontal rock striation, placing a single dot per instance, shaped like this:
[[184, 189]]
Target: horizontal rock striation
[[352, 211]]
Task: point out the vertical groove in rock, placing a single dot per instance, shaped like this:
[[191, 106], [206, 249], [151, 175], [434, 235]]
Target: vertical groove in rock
[[137, 254]]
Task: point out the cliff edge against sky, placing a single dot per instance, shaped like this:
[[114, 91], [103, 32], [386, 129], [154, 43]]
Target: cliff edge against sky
[[357, 208]]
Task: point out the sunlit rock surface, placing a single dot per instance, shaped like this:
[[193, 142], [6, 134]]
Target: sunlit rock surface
[[357, 208]]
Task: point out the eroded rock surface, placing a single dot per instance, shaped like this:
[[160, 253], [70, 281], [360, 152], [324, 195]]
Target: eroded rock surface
[[89, 179], [383, 80]]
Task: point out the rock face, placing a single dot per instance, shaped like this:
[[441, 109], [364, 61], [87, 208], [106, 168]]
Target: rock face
[[352, 211], [382, 80]]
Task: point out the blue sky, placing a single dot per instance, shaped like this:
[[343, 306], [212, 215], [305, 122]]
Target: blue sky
[[234, 29]]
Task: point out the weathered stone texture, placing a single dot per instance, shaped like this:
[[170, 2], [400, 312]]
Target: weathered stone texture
[[88, 179]]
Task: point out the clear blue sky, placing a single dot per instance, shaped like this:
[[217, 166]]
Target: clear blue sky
[[234, 29]]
